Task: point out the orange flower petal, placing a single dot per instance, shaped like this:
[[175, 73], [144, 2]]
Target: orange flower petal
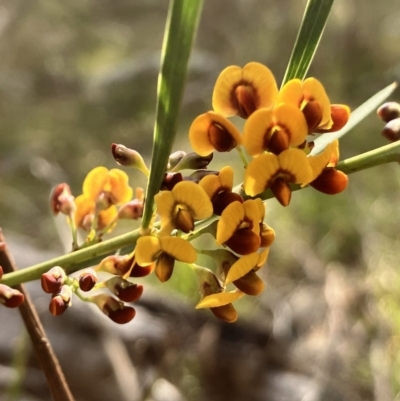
[[118, 185], [84, 206], [194, 197], [245, 265], [313, 90], [231, 218], [292, 121], [148, 249], [203, 134], [255, 79], [257, 131], [94, 182], [106, 217], [320, 161], [292, 93], [295, 162], [259, 173], [219, 299], [179, 249], [253, 213]]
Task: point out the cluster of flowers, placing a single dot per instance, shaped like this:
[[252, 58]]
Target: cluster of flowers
[[278, 135]]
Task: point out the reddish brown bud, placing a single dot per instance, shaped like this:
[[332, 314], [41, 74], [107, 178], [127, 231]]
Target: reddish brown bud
[[10, 297], [128, 157], [391, 131], [124, 289], [227, 313], [221, 138], [140, 271], [87, 280], [116, 264], [222, 199], [53, 280], [389, 111], [1, 272], [313, 114], [61, 301], [193, 161], [61, 200], [244, 241], [278, 142], [131, 210], [170, 180], [245, 98], [330, 181], [117, 311], [281, 190], [250, 284]]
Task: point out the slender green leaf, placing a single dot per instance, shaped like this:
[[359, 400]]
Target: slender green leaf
[[356, 117], [182, 22], [311, 29]]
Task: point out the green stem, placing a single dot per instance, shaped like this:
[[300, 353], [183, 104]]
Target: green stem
[[376, 157], [243, 157], [90, 256]]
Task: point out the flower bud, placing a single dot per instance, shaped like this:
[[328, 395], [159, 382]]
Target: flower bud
[[170, 180], [53, 280], [1, 272], [391, 131], [129, 158], [124, 289], [117, 311], [196, 176], [175, 158], [193, 161], [61, 301], [116, 264], [10, 297], [389, 111], [87, 280], [132, 210], [62, 200]]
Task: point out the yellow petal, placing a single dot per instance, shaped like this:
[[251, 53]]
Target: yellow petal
[[257, 78], [194, 197], [231, 218], [165, 202], [219, 299], [240, 268], [313, 90], [252, 212], [211, 184], [119, 183], [257, 131], [179, 249], [94, 182], [226, 178], [199, 132], [84, 206], [291, 92], [295, 162], [292, 121], [320, 161], [259, 173], [106, 217], [148, 249]]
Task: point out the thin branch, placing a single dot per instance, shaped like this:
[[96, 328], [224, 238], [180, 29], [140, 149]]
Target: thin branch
[[55, 378]]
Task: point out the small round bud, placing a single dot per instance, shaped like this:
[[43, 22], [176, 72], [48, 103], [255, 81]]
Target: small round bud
[[87, 280], [61, 200], [61, 301], [10, 297], [131, 210], [391, 131], [53, 280], [170, 180], [116, 264], [124, 289], [389, 111], [175, 158], [129, 158], [117, 311]]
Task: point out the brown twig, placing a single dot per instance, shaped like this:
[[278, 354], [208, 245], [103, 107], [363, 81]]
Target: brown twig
[[58, 386]]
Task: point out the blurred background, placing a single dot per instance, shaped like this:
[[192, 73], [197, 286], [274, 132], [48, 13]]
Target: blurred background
[[77, 76]]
